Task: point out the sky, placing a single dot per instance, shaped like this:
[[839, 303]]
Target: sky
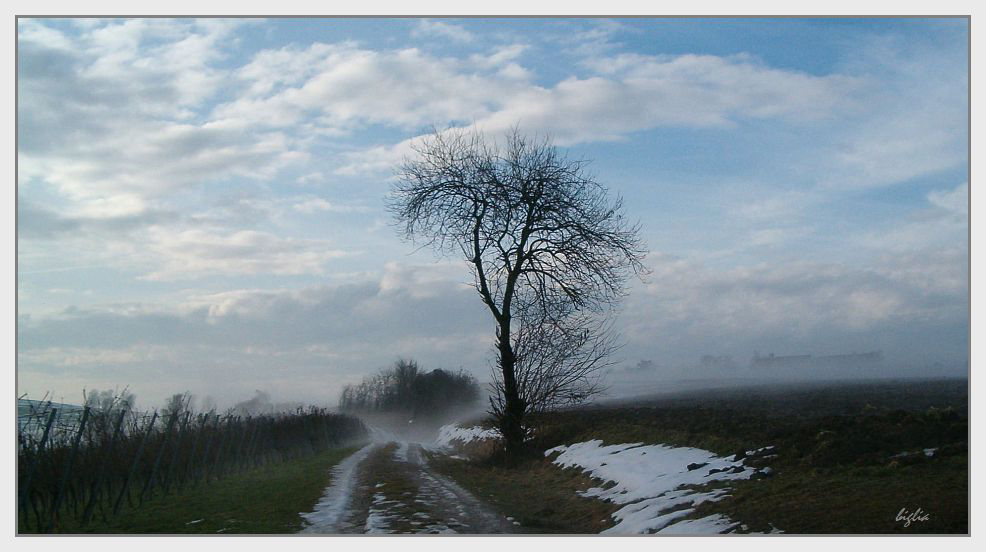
[[201, 202]]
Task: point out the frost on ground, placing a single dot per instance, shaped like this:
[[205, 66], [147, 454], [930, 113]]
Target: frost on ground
[[651, 481], [451, 432]]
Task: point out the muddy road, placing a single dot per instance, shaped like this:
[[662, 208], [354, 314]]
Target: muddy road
[[388, 487]]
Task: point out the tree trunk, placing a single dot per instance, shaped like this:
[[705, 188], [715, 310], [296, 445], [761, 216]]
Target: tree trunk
[[512, 420]]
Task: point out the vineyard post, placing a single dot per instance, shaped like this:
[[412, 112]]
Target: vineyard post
[[157, 459], [249, 431], [235, 445], [230, 462], [66, 471], [259, 448], [271, 443], [219, 450], [26, 490], [134, 464], [325, 432], [307, 422], [248, 453], [205, 457], [174, 455], [190, 467], [238, 464], [97, 483]]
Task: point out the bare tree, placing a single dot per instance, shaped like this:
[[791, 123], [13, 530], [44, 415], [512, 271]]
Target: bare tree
[[108, 400], [548, 249], [176, 405], [105, 406]]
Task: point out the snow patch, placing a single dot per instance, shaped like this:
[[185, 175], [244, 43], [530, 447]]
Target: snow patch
[[716, 523], [334, 503], [452, 432], [376, 519], [376, 523], [650, 481]]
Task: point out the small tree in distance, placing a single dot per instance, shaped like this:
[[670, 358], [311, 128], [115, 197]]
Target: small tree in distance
[[549, 251], [406, 389]]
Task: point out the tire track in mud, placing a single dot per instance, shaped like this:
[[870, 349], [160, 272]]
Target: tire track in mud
[[391, 489]]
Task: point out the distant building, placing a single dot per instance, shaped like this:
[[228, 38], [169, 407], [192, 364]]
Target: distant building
[[780, 361], [819, 363], [644, 366]]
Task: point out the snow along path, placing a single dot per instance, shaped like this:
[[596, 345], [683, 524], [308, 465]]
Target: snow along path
[[389, 488], [331, 510], [653, 482]]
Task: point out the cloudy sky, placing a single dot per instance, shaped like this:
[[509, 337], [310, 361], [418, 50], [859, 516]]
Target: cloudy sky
[[201, 201]]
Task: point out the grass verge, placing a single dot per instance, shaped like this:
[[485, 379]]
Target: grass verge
[[266, 500], [854, 500], [540, 496]]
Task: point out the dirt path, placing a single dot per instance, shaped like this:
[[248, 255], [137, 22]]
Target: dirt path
[[389, 488]]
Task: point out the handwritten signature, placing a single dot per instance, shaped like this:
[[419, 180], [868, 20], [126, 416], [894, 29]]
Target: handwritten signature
[[909, 517]]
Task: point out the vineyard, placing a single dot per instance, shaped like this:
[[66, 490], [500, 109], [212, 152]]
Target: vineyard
[[75, 464]]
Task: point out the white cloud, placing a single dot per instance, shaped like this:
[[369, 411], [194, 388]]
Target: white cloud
[[316, 177], [131, 101], [376, 159], [111, 117], [632, 93], [352, 86], [811, 301], [313, 205], [31, 30], [722, 88], [196, 253], [427, 27], [898, 146], [422, 281], [310, 205], [502, 55], [64, 357], [941, 225], [596, 40], [955, 201], [915, 118]]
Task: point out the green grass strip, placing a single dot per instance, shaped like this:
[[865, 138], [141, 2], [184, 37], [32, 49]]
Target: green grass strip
[[266, 500]]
